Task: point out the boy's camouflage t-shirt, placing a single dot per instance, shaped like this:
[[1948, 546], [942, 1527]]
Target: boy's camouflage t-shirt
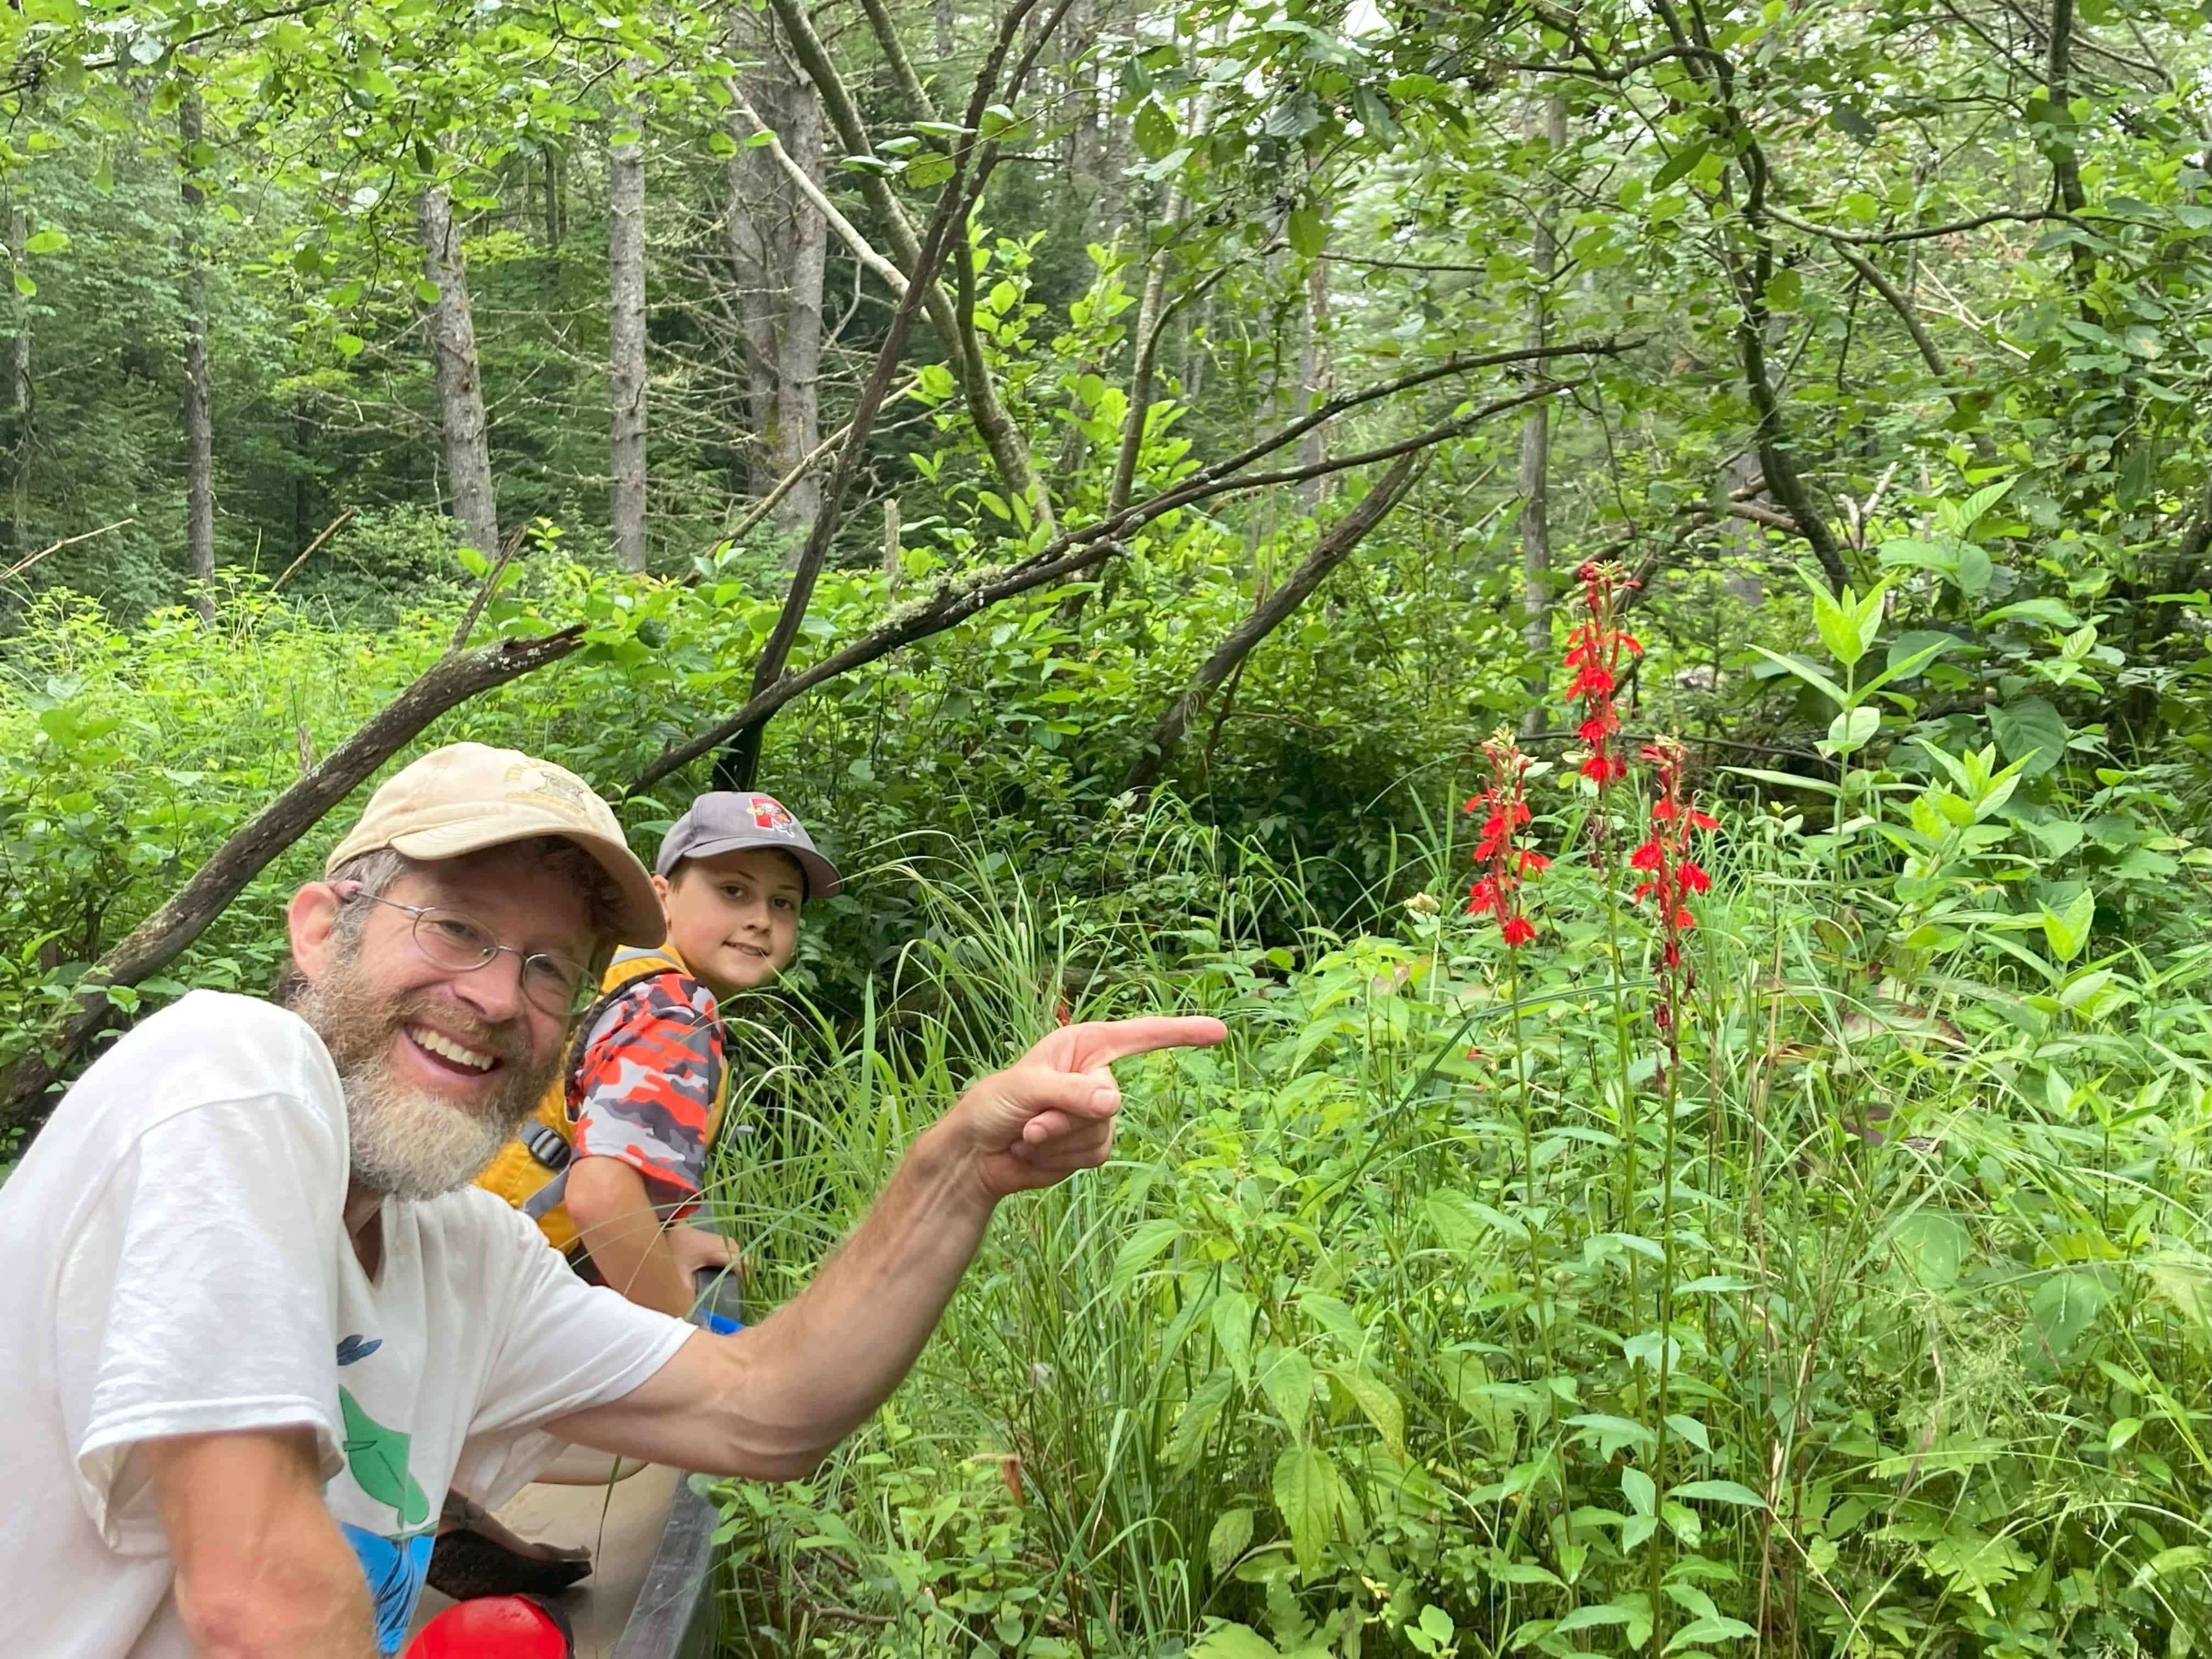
[[643, 1090]]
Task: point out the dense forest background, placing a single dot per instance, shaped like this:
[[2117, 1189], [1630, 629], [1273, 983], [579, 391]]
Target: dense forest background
[[1127, 475]]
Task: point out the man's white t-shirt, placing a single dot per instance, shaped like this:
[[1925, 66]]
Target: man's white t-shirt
[[173, 1260]]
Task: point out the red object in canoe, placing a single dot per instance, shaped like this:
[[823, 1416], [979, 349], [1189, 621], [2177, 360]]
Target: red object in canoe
[[495, 1628]]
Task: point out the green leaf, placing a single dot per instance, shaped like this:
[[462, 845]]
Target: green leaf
[[1286, 1377], [1141, 1248], [1231, 1533], [1715, 1627], [1931, 1247], [2031, 732], [1680, 163], [24, 285], [1230, 1641], [1589, 1617], [1846, 119], [2045, 610], [1308, 1491], [1373, 1397], [1307, 230], [1811, 677], [1155, 129], [2066, 932], [1849, 733], [927, 172], [2062, 1310], [1186, 1442], [1784, 780], [1641, 1491], [1610, 1432], [1718, 1491], [349, 345], [1232, 1331], [49, 241]]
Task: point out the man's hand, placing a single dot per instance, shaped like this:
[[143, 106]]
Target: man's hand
[[1051, 1113]]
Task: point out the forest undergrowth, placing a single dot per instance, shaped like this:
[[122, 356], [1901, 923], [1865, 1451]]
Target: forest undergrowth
[[1695, 1229]]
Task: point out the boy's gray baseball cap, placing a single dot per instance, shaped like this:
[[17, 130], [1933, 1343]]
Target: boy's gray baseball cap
[[729, 821]]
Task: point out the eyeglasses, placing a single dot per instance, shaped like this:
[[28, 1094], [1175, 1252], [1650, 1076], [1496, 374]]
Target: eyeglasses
[[556, 984]]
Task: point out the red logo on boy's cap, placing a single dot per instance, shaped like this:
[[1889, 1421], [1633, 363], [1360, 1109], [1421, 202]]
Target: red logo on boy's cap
[[769, 813]]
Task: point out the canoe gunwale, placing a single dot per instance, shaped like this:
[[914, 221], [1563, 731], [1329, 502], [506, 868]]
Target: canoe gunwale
[[675, 1615]]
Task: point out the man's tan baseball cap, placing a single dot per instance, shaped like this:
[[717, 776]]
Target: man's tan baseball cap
[[469, 796]]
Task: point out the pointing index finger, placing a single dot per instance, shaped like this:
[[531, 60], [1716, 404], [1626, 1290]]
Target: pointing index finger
[[1087, 1047]]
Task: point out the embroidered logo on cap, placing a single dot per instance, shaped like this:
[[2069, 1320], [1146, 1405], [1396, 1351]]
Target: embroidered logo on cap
[[769, 813], [545, 783]]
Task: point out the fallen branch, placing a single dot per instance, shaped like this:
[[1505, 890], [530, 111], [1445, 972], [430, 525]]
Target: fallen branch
[[308, 551], [862, 251], [1335, 545], [784, 486], [1078, 550], [162, 937], [21, 566], [942, 610]]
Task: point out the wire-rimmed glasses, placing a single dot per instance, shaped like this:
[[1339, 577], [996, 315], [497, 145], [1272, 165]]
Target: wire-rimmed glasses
[[556, 985]]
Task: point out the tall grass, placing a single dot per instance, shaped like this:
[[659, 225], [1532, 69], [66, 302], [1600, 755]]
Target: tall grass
[[1339, 1354]]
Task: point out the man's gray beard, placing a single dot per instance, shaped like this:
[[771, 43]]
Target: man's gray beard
[[405, 1141]]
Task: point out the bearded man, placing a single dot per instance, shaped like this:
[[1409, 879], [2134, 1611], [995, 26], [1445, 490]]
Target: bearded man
[[255, 1324]]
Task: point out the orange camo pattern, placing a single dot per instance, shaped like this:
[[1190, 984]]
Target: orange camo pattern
[[645, 1088]]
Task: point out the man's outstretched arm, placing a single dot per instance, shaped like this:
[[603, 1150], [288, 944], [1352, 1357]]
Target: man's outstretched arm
[[770, 1402], [263, 1571]]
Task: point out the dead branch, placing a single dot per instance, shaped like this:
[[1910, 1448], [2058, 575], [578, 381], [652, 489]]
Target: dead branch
[[21, 565], [1073, 552], [308, 551], [1335, 546]]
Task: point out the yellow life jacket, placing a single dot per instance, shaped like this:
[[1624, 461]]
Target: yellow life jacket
[[525, 1170]]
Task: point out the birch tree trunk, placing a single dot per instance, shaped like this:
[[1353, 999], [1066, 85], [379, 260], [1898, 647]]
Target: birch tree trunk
[[778, 247], [797, 415], [626, 339], [1549, 121], [1313, 376], [199, 430], [461, 392], [19, 482]]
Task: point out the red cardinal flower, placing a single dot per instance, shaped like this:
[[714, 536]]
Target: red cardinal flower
[[1597, 646], [1504, 865], [1664, 856]]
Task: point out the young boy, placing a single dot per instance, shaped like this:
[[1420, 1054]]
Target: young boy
[[617, 1150], [615, 1156]]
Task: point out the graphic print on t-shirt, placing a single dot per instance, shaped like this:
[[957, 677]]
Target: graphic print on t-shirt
[[376, 1457]]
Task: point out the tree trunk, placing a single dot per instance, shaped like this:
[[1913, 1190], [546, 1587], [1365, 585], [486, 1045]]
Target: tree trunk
[[2065, 166], [556, 201], [626, 339], [798, 425], [1332, 549], [1549, 119], [19, 484], [200, 432], [1313, 376], [941, 15], [460, 393]]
